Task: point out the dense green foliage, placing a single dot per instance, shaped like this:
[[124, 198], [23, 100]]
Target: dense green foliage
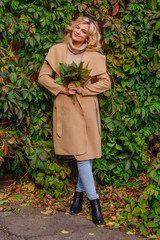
[[129, 111], [130, 120]]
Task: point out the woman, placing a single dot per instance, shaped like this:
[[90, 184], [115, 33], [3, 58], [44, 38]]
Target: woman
[[76, 125]]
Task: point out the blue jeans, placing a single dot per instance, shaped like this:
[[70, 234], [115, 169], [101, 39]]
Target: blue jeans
[[85, 179]]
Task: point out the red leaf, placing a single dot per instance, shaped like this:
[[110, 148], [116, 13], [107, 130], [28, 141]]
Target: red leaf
[[95, 2], [6, 150], [115, 9]]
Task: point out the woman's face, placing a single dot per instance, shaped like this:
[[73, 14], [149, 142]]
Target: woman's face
[[80, 34]]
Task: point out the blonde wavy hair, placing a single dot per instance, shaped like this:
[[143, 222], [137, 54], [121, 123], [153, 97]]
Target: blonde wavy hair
[[93, 43]]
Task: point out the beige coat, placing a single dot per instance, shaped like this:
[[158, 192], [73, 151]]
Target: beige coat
[[76, 125]]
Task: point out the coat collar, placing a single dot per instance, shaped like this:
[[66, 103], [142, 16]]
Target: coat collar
[[57, 54]]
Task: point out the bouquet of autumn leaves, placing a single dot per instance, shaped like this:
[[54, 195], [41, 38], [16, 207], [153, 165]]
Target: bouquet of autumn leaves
[[72, 73]]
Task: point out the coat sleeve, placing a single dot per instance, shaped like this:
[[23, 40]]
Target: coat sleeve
[[47, 81], [103, 84]]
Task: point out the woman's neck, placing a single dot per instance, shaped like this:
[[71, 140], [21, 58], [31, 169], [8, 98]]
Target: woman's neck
[[77, 44], [74, 49]]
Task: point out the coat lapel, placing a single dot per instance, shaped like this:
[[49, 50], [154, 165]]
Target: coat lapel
[[56, 55], [94, 60]]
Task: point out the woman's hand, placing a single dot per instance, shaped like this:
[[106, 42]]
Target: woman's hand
[[68, 91], [72, 86]]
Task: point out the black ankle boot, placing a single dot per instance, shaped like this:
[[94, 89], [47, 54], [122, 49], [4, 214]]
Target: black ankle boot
[[96, 212], [77, 203]]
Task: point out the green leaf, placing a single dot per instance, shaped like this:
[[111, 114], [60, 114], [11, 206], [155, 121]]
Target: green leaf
[[152, 224], [143, 230], [17, 197], [110, 144], [112, 166], [32, 41], [39, 179], [43, 156], [135, 163], [157, 24], [123, 156], [58, 81], [127, 165], [52, 166], [158, 233], [5, 106], [41, 164], [118, 147], [13, 77], [123, 138]]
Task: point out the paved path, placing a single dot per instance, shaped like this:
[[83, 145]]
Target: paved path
[[30, 224]]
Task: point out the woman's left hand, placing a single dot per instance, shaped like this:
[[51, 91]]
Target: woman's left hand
[[72, 86]]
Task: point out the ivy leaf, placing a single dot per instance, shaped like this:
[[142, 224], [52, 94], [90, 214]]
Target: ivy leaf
[[118, 147], [13, 77], [115, 9], [135, 163], [143, 230], [58, 81], [152, 224], [127, 165], [157, 25], [158, 233], [43, 156], [112, 166]]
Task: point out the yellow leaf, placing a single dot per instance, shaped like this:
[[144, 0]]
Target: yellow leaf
[[91, 234], [64, 232], [100, 225], [89, 217], [31, 186], [120, 209], [47, 212], [130, 232], [110, 224], [54, 212], [43, 227], [1, 196], [63, 174]]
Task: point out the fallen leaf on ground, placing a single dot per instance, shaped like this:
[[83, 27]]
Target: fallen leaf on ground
[[17, 211], [1, 196], [91, 234], [31, 186], [47, 212], [64, 232], [110, 224], [89, 218], [54, 212], [1, 202], [130, 232]]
